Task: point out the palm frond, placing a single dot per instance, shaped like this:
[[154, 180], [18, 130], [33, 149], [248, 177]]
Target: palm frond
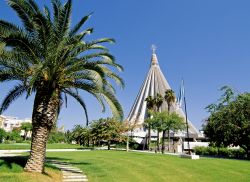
[[80, 100], [16, 92], [113, 103], [77, 27]]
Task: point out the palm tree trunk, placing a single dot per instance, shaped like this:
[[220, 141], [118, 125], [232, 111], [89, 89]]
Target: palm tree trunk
[[45, 112], [163, 142]]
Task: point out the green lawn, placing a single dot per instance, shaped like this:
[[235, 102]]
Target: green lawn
[[11, 170], [101, 166], [17, 146]]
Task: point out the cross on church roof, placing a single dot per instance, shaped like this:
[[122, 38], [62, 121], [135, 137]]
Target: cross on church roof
[[153, 47]]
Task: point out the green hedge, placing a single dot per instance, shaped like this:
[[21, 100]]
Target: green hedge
[[221, 152]]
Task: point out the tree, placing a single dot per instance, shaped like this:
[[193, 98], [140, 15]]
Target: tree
[[147, 123], [128, 126], [48, 58], [81, 134], [26, 127], [2, 135], [158, 103], [108, 129], [169, 121], [230, 124], [169, 98], [227, 96]]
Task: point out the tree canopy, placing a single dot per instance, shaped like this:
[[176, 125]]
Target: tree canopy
[[229, 124]]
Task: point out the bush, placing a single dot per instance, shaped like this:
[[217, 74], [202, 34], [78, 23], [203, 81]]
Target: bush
[[220, 152], [201, 150], [212, 151], [2, 135]]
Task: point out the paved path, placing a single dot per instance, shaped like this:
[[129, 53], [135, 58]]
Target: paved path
[[70, 173]]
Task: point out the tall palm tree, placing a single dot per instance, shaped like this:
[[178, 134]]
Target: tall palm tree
[[52, 60], [158, 103], [169, 98], [150, 107], [158, 100]]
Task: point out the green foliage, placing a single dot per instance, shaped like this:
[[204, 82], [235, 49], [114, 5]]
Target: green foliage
[[57, 137], [108, 129], [170, 98], [221, 152], [26, 126], [80, 134], [14, 135], [230, 125], [227, 96], [2, 135], [45, 53]]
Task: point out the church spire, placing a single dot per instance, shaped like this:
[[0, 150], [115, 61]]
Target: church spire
[[154, 60]]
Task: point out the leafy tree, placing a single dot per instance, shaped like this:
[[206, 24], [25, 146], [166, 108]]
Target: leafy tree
[[227, 96], [48, 58], [2, 135], [14, 135], [56, 137], [26, 127], [230, 125], [167, 122], [81, 134], [108, 129], [128, 126]]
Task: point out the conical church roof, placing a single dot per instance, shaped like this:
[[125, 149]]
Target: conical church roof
[[154, 83]]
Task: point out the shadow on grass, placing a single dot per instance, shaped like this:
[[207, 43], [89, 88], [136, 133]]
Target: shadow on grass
[[13, 162], [64, 160]]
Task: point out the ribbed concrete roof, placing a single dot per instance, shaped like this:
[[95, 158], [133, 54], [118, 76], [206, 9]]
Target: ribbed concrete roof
[[154, 83]]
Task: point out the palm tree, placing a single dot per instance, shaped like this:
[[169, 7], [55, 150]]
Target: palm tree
[[158, 103], [47, 58], [150, 106], [169, 98]]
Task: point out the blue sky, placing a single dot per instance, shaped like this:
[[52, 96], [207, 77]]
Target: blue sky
[[205, 42]]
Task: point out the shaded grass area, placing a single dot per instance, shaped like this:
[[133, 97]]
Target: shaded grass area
[[11, 170], [102, 166], [49, 146]]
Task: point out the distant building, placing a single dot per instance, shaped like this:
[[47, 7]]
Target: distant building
[[8, 123]]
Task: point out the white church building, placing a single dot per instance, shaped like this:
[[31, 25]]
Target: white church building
[[156, 83]]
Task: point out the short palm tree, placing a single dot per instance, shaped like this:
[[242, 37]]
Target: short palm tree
[[52, 60]]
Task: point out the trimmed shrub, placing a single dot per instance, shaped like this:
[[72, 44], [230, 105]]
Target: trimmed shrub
[[221, 152]]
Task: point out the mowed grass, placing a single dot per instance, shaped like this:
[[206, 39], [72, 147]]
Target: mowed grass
[[11, 170], [119, 166], [24, 146]]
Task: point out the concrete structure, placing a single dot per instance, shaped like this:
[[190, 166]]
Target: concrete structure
[[154, 83]]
